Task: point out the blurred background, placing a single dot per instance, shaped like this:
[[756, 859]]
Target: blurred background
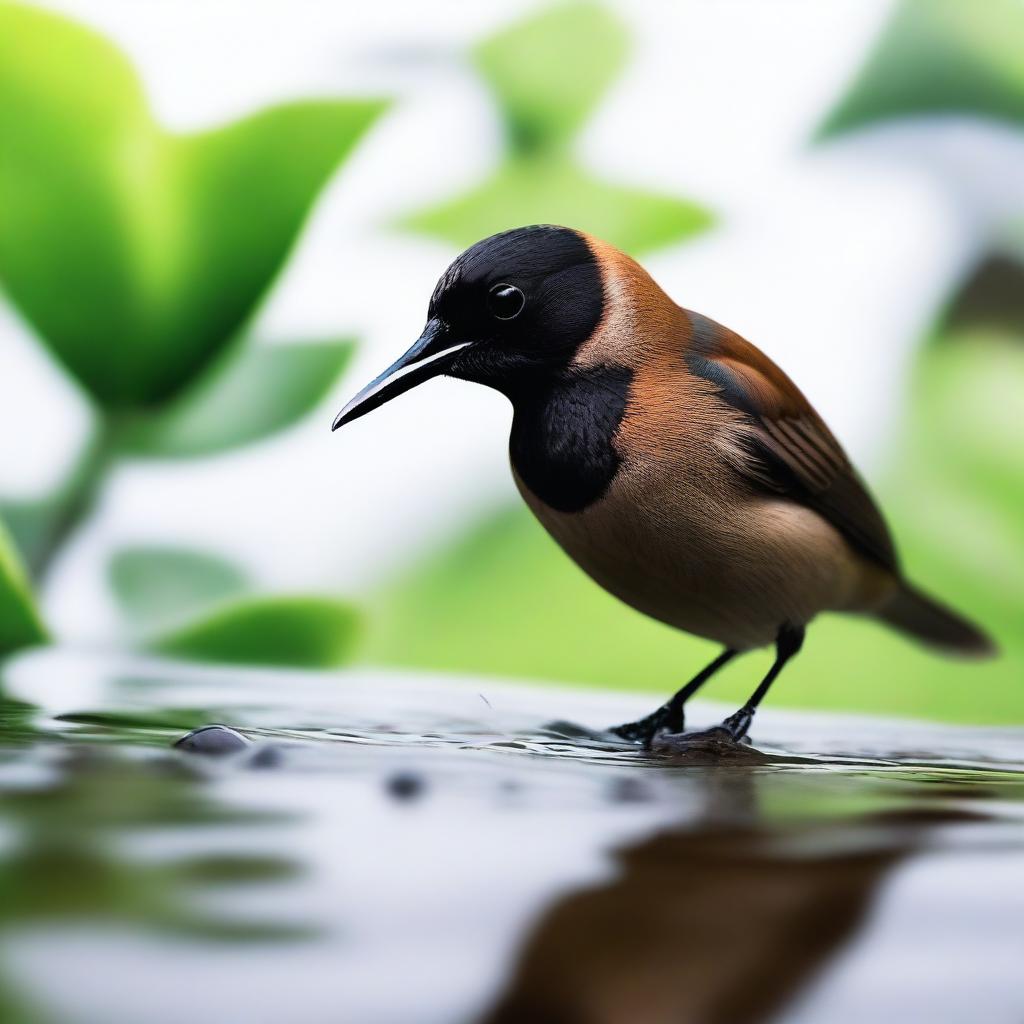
[[219, 219]]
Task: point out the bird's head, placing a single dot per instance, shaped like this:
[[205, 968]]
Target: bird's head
[[510, 312]]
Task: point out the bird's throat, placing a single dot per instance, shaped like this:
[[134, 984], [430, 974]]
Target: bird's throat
[[562, 436]]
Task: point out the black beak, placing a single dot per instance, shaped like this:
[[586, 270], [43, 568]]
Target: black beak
[[429, 356]]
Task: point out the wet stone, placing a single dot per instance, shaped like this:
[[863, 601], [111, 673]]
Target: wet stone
[[709, 747], [213, 741]]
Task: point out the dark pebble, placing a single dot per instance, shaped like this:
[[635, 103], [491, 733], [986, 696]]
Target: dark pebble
[[405, 786], [212, 741]]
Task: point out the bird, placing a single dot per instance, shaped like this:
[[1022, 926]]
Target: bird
[[670, 458]]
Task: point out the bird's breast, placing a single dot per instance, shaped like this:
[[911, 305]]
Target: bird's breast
[[673, 531], [562, 442]]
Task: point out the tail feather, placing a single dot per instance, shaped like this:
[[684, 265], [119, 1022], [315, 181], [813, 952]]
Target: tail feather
[[924, 618]]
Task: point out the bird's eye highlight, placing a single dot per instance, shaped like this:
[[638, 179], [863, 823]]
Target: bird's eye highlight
[[506, 301]]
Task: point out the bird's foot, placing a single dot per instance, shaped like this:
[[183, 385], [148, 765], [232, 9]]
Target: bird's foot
[[666, 719], [641, 732], [738, 724], [721, 742], [708, 747]]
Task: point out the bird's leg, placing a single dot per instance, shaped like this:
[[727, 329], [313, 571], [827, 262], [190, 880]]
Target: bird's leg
[[788, 641], [670, 717]]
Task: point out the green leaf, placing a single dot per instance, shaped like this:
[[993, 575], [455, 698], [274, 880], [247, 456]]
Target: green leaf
[[558, 192], [20, 624], [41, 524], [159, 584], [137, 253], [302, 632], [547, 74], [939, 57], [251, 395], [31, 524]]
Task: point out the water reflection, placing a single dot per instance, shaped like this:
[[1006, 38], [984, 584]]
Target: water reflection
[[720, 925], [502, 870], [82, 831]]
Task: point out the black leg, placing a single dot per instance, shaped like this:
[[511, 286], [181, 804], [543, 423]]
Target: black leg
[[787, 643], [670, 716]]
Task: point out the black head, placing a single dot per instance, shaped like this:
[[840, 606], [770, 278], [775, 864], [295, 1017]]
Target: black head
[[509, 312]]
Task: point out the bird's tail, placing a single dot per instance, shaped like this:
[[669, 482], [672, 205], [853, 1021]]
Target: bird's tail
[[917, 614]]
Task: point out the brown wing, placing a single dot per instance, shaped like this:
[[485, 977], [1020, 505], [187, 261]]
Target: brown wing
[[788, 450]]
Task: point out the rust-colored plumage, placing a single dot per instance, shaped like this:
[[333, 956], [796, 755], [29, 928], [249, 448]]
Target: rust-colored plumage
[[669, 457], [735, 501]]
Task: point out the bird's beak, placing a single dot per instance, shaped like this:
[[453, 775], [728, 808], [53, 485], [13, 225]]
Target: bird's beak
[[430, 355]]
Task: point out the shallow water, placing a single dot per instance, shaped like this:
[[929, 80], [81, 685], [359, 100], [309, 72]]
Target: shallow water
[[399, 849]]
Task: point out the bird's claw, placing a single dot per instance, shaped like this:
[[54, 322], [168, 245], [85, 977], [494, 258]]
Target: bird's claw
[[738, 724], [645, 730], [708, 748], [653, 731]]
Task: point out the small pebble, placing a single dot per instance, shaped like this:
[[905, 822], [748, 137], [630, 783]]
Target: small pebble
[[405, 785], [212, 741]]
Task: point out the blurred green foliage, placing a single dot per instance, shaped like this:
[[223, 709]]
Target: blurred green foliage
[[139, 256], [939, 57], [71, 857], [306, 632], [251, 394], [20, 625], [194, 605], [136, 253], [62, 862], [959, 481], [547, 74], [155, 586]]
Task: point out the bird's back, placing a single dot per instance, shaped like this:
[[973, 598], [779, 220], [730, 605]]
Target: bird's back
[[681, 536], [726, 507]]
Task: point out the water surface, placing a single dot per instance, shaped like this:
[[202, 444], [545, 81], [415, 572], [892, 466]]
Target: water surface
[[415, 849]]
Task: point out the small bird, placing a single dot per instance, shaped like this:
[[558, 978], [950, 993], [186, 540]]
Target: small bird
[[673, 461]]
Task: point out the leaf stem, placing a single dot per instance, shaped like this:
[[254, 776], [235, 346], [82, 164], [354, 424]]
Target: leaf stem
[[79, 495]]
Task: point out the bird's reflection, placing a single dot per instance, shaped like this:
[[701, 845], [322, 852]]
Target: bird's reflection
[[723, 923]]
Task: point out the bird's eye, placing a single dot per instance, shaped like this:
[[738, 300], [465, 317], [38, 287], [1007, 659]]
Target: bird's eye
[[506, 301]]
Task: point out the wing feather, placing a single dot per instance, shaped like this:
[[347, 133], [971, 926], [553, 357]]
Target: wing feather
[[786, 448]]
